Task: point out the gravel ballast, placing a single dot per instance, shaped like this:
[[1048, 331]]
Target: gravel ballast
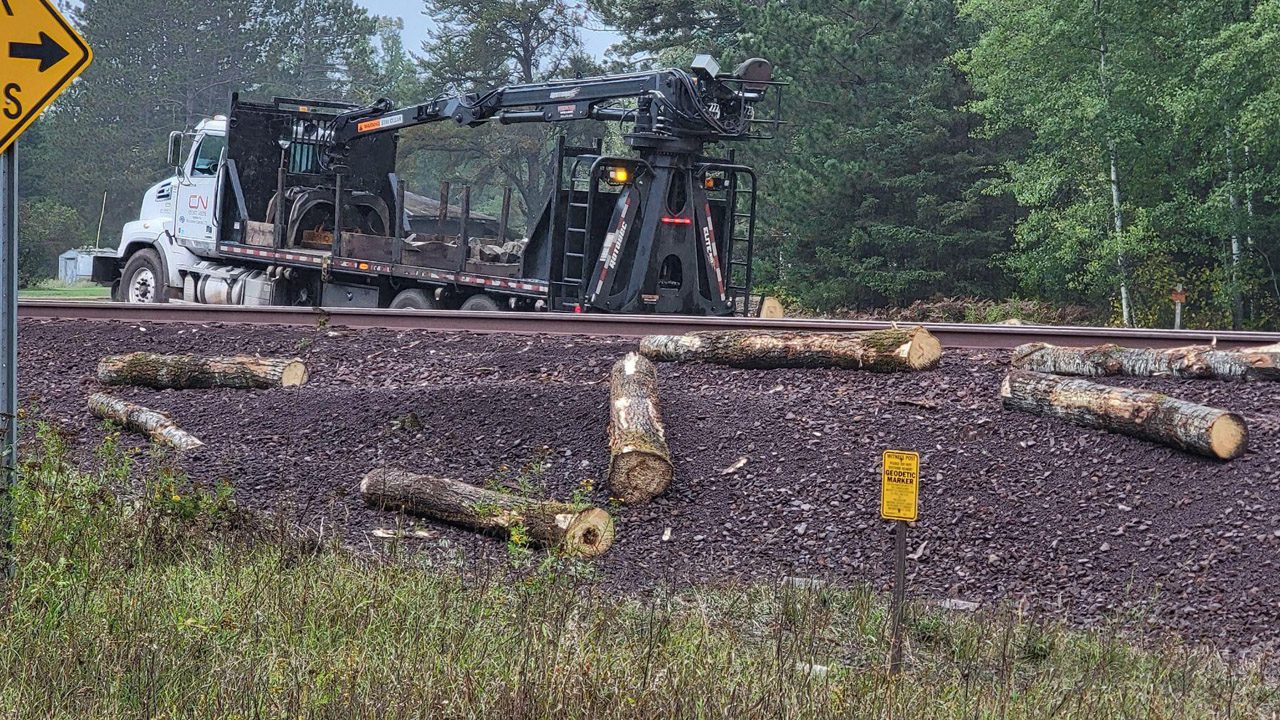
[[1015, 508]]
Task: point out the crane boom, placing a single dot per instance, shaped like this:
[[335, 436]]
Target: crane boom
[[672, 106]]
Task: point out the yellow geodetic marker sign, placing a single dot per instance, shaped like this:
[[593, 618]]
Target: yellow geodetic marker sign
[[40, 54], [900, 485]]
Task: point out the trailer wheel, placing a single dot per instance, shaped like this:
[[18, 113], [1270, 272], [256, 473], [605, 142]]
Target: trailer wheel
[[481, 303], [414, 299], [143, 279]]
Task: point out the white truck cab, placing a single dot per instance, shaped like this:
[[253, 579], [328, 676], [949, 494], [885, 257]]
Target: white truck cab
[[177, 226]]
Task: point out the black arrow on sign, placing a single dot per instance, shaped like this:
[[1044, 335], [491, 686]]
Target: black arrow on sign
[[47, 51]]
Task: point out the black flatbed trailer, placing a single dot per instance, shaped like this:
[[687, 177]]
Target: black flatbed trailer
[[310, 198]]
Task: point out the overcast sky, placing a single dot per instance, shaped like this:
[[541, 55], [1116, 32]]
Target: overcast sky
[[416, 24]]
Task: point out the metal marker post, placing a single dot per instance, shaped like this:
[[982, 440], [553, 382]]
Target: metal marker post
[[8, 347], [899, 594]]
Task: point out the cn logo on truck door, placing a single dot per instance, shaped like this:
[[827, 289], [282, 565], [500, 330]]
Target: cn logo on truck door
[[195, 197]]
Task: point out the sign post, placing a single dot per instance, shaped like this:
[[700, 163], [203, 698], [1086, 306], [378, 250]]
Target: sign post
[[40, 54], [1178, 296], [899, 501]]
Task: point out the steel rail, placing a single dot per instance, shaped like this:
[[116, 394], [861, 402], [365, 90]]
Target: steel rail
[[949, 334]]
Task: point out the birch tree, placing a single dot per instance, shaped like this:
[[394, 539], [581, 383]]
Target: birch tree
[[1075, 74]]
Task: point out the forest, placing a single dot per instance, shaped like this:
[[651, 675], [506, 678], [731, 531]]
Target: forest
[[1070, 153]]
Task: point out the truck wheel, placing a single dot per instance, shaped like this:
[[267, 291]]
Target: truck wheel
[[414, 299], [143, 279], [481, 303]]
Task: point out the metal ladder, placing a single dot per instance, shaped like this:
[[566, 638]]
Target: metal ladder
[[741, 245], [574, 266]]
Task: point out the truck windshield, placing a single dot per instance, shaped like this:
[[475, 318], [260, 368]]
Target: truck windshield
[[208, 155]]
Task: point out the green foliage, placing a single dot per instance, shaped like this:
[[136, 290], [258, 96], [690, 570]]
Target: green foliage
[[941, 149], [1169, 107], [45, 229]]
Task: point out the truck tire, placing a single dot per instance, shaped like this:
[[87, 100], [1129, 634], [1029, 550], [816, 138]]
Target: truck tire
[[142, 280], [481, 303], [414, 299]]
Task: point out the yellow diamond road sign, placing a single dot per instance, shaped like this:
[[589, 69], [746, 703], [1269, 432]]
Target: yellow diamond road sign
[[40, 54]]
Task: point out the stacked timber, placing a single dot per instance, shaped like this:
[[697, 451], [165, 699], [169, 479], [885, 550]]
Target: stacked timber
[[179, 372], [573, 530], [1196, 362], [890, 350], [1139, 413]]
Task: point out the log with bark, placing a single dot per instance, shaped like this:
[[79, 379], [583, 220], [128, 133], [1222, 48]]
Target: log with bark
[[1196, 362], [142, 420], [1147, 415], [190, 371], [639, 460], [578, 531], [890, 350]]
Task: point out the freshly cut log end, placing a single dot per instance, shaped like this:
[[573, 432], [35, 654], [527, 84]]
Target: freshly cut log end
[[1188, 363], [1147, 415], [590, 533], [576, 531], [640, 466], [180, 372], [1228, 437], [890, 350], [142, 420]]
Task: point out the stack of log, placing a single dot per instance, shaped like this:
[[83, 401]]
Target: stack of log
[[1037, 385]]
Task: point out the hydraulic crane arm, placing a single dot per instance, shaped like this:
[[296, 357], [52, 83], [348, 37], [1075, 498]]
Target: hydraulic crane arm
[[670, 106]]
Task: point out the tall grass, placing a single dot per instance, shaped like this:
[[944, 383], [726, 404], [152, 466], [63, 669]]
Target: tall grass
[[171, 604]]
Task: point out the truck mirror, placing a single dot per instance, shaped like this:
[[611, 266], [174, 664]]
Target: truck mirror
[[175, 149]]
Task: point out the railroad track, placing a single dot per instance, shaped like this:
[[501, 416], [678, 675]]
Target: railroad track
[[950, 334]]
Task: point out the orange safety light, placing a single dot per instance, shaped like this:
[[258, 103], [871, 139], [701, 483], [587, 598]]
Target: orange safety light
[[619, 176]]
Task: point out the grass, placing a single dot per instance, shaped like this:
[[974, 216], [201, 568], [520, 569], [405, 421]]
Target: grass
[[57, 290], [172, 604]]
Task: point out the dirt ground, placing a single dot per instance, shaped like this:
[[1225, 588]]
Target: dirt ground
[[1067, 521]]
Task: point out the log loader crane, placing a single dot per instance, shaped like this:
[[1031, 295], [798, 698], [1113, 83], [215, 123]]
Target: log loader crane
[[298, 202]]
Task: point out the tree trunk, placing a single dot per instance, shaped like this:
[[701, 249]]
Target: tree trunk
[[639, 460], [142, 420], [1147, 415], [1188, 363], [891, 350], [1237, 293], [190, 371], [1117, 206], [585, 532]]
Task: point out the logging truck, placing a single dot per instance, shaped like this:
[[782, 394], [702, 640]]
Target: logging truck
[[297, 202]]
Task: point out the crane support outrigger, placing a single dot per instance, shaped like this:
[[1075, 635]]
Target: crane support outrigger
[[309, 207]]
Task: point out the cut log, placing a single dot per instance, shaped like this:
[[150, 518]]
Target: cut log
[[179, 372], [1147, 415], [1196, 362], [139, 419], [583, 532], [891, 350], [639, 460]]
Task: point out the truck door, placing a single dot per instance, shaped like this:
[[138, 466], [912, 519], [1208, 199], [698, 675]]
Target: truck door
[[193, 206]]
